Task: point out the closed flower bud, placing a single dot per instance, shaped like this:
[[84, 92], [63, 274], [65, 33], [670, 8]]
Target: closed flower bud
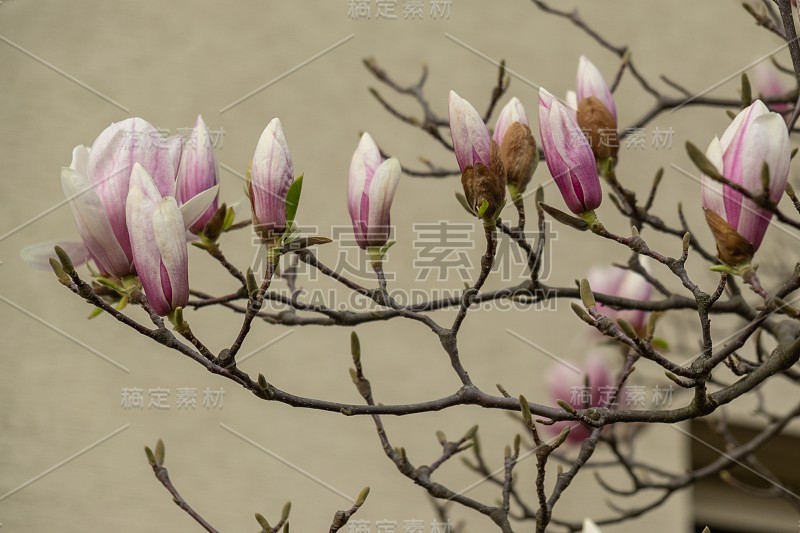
[[568, 155], [599, 127], [271, 175], [157, 233], [479, 159], [517, 147], [564, 383], [371, 186], [590, 82], [198, 171], [755, 138]]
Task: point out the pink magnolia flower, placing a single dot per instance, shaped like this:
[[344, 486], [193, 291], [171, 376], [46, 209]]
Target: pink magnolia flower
[[198, 171], [755, 137], [590, 82], [370, 190], [96, 184], [615, 281], [767, 81], [158, 240], [471, 140], [565, 383], [568, 155], [271, 175]]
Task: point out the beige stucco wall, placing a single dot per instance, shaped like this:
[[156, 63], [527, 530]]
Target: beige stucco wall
[[168, 61]]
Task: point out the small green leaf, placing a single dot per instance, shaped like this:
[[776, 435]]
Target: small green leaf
[[701, 161], [355, 347], [251, 283], [362, 497], [263, 522], [526, 411], [562, 217], [150, 457], [627, 328], [483, 208], [660, 343], [111, 284], [62, 276], [230, 218], [160, 452], [286, 510], [293, 201], [747, 94], [586, 294], [66, 262]]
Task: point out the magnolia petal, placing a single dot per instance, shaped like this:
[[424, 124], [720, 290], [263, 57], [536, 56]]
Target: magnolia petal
[[38, 255], [146, 256], [581, 184], [767, 142], [198, 171], [365, 161], [471, 140], [571, 101], [168, 228], [712, 190], [80, 160], [381, 193], [197, 206], [558, 168], [93, 224], [740, 120], [512, 112]]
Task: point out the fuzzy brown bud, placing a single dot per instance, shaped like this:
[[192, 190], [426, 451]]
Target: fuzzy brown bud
[[518, 155], [599, 126], [481, 183], [732, 248]]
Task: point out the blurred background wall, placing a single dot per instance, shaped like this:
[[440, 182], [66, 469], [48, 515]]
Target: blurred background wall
[[169, 61]]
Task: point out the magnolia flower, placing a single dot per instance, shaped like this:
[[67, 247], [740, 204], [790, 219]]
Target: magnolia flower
[[518, 153], [565, 382], [622, 283], [370, 189], [478, 156], [755, 138], [158, 240], [271, 175], [569, 156], [198, 171], [590, 82], [767, 82], [96, 185]]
